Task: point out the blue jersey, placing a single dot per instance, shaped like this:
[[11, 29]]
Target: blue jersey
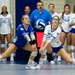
[[20, 38], [40, 19]]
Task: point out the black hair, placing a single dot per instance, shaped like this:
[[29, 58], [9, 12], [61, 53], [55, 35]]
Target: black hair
[[74, 9], [6, 11], [64, 11]]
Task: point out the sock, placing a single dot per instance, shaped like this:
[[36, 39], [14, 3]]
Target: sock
[[12, 55], [73, 61], [72, 54], [30, 62], [59, 57], [0, 56], [49, 57], [41, 61]]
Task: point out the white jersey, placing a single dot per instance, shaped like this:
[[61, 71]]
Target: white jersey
[[52, 36], [73, 20], [54, 14], [5, 24], [66, 21]]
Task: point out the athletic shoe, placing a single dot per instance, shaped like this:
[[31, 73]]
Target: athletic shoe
[[58, 59], [52, 62], [30, 67], [39, 66]]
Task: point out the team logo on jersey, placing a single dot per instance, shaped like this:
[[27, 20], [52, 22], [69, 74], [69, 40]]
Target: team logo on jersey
[[21, 28], [40, 24]]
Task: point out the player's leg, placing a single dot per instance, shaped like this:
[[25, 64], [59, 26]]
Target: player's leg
[[9, 39], [8, 52], [62, 39], [30, 64], [69, 43], [2, 43], [72, 43], [40, 65], [65, 56]]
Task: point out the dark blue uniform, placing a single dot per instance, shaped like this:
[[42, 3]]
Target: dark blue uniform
[[20, 40]]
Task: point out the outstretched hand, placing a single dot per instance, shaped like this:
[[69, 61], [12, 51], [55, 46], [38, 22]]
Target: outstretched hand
[[41, 50], [34, 47]]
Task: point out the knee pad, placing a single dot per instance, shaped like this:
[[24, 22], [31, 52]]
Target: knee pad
[[2, 45], [34, 53], [72, 47], [9, 44], [68, 47], [44, 53]]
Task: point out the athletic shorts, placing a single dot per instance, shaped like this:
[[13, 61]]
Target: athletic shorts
[[56, 49], [19, 42], [73, 30], [66, 32]]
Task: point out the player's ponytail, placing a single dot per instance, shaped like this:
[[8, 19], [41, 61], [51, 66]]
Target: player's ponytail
[[63, 15], [74, 9], [64, 10]]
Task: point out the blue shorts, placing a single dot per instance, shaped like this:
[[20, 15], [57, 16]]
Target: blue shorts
[[73, 30], [56, 49], [65, 32], [19, 42]]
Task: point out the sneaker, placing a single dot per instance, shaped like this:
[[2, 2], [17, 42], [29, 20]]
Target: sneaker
[[30, 67], [52, 62], [39, 66], [58, 59], [11, 59], [0, 57]]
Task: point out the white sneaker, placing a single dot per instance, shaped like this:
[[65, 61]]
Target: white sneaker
[[58, 59], [52, 62], [39, 66], [30, 67], [11, 59], [0, 57]]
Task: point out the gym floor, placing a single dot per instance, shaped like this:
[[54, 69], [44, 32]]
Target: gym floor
[[61, 68]]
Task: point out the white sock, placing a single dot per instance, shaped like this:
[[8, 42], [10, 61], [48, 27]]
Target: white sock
[[41, 61], [1, 57], [72, 54], [30, 61], [12, 55], [73, 61], [59, 57]]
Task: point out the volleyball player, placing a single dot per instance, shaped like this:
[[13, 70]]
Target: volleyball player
[[22, 39], [66, 19], [6, 29], [51, 8], [51, 39], [73, 33]]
